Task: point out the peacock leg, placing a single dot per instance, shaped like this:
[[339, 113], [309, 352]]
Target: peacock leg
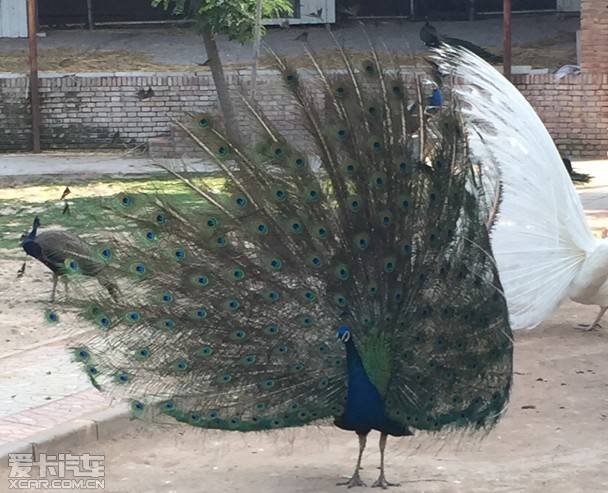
[[356, 479], [596, 322], [55, 277], [381, 482]]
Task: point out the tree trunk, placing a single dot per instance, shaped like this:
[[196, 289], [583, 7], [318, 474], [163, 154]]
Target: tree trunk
[[223, 93], [257, 35], [471, 10]]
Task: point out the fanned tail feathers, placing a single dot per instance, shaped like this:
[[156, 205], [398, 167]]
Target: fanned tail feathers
[[229, 308], [540, 237]]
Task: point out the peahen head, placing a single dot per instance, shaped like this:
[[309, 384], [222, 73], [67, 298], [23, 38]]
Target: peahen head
[[343, 334], [32, 234], [35, 225]]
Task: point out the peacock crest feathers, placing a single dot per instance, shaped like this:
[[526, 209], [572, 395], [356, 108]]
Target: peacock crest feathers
[[229, 307]]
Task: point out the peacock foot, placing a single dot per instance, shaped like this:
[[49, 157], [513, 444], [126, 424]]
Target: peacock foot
[[381, 482], [353, 482], [588, 327]]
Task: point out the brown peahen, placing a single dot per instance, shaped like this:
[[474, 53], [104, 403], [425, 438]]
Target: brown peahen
[[56, 249], [348, 277]]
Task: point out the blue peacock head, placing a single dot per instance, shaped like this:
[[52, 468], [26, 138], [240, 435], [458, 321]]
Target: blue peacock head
[[31, 234], [343, 334]]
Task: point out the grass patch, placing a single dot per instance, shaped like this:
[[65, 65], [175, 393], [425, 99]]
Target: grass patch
[[19, 206]]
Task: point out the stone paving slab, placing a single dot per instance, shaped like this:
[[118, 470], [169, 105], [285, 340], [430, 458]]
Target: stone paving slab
[[37, 377], [23, 425], [41, 388]]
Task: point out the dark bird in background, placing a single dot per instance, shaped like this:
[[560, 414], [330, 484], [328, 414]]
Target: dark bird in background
[[349, 11], [64, 253], [65, 193], [145, 94], [344, 273], [575, 176], [66, 205], [317, 14], [432, 38], [429, 35]]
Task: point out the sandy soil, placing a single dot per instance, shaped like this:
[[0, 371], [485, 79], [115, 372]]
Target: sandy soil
[[24, 301], [553, 439], [21, 325]]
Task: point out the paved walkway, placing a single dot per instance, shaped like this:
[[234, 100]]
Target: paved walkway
[[41, 388], [594, 195], [73, 164], [85, 165]]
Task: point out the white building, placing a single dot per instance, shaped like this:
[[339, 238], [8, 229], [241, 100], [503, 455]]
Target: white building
[[13, 13], [13, 18]]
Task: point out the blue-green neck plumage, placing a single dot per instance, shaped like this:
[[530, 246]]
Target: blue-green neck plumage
[[367, 384]]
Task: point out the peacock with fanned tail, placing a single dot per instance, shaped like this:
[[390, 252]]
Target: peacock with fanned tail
[[351, 278]]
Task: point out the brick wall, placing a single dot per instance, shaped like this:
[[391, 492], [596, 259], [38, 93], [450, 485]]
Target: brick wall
[[594, 36], [574, 110], [113, 111], [14, 113], [104, 110]]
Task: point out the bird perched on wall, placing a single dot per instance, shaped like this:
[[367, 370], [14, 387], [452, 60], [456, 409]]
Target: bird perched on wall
[[344, 275], [544, 248], [433, 39], [429, 35], [55, 248], [148, 93]]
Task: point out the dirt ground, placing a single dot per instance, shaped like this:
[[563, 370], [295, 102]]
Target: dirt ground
[[22, 312], [23, 326], [553, 439]]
